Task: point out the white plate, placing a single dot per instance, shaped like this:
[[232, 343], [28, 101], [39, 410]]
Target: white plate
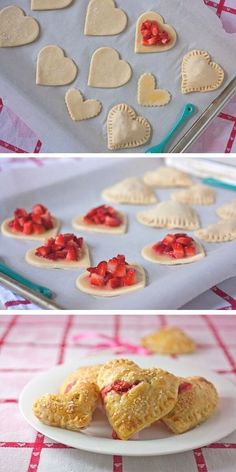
[[153, 441]]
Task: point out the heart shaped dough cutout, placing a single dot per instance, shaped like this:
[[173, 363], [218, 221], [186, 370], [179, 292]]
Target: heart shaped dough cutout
[[49, 4], [149, 95], [150, 255], [107, 70], [104, 18], [50, 233], [80, 109], [199, 73], [153, 16], [53, 68], [16, 29], [125, 129], [42, 262]]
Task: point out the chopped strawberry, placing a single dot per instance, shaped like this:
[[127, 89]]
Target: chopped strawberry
[[28, 227], [190, 251], [169, 239], [114, 282], [176, 246], [71, 254], [120, 271], [185, 240], [63, 247], [112, 265], [184, 387], [102, 268], [178, 250], [113, 274], [98, 280], [39, 209], [36, 222], [103, 215], [38, 229], [151, 35], [130, 278]]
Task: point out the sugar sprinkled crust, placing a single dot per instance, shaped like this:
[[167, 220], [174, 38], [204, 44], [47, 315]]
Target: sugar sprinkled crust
[[89, 374], [169, 340]]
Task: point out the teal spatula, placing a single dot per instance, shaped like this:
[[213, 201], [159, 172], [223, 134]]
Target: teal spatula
[[188, 111], [218, 183]]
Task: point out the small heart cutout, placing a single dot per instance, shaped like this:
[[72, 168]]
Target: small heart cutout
[[104, 18], [153, 16], [80, 109], [125, 129], [49, 4], [16, 29], [53, 68], [149, 95], [199, 73], [107, 70]]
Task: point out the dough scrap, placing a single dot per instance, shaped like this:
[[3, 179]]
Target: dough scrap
[[107, 70], [79, 224], [170, 214], [153, 16], [43, 263], [103, 18], [227, 211], [80, 109], [165, 177], [131, 190], [195, 195], [199, 73], [218, 233], [53, 68], [125, 129], [169, 340], [149, 254], [49, 4], [16, 28], [51, 233], [149, 95]]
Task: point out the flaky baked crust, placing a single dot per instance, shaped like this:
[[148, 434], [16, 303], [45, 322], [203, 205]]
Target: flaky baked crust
[[169, 340], [87, 373]]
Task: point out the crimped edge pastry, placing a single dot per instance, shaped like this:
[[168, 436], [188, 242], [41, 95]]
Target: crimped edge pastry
[[131, 190], [87, 373], [165, 177], [196, 195], [170, 214], [227, 211], [218, 233], [186, 88], [169, 340]]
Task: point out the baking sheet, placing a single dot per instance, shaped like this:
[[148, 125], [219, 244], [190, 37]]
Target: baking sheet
[[167, 287], [43, 108]]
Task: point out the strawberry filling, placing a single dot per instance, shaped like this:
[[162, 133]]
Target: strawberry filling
[[119, 386], [184, 387], [176, 246], [37, 221], [113, 274], [64, 246], [70, 386], [151, 34], [103, 215]]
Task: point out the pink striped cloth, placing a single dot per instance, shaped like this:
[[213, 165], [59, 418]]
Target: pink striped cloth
[[32, 344]]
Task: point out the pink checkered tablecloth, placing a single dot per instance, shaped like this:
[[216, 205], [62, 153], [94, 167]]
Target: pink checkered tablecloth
[[32, 344], [17, 136]]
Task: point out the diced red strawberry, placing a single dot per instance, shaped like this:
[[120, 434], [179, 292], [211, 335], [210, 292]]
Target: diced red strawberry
[[113, 274], [98, 280], [60, 240], [38, 209], [42, 251], [120, 271], [190, 251], [103, 215], [112, 221], [130, 278], [28, 227], [64, 246], [176, 246], [115, 282], [178, 250], [158, 247], [71, 254], [169, 239], [19, 212], [112, 265], [151, 35], [38, 229], [184, 240], [102, 268], [38, 221]]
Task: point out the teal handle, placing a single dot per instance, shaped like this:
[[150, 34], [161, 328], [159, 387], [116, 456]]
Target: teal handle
[[218, 183], [27, 283]]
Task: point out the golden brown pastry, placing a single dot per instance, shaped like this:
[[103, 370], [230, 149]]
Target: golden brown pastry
[[88, 373], [169, 340]]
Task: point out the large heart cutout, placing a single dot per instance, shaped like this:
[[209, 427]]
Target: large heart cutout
[[107, 70], [153, 16], [16, 29], [104, 18], [125, 129], [80, 109], [53, 68], [149, 95], [49, 4], [199, 73]]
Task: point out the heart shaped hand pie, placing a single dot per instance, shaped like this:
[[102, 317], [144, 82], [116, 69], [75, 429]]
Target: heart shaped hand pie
[[125, 129], [195, 195], [49, 4], [131, 190], [169, 340], [80, 109], [53, 68], [165, 177], [197, 401], [134, 398], [107, 70], [104, 18], [16, 29], [199, 73], [169, 33], [218, 233], [73, 411], [170, 215], [227, 211], [88, 374], [148, 95]]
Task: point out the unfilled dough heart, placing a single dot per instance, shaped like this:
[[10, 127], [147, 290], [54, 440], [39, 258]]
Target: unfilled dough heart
[[80, 109], [148, 95], [16, 29], [53, 68], [153, 16], [125, 129], [49, 4], [199, 73], [107, 70], [104, 18]]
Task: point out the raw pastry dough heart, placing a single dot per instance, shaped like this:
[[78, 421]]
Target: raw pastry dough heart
[[165, 177], [147, 395], [42, 262], [149, 95], [53, 68], [131, 190], [195, 195], [125, 129], [49, 4], [16, 29], [80, 109], [151, 255], [194, 406], [220, 232], [153, 16], [107, 70], [199, 73], [169, 340], [170, 215], [79, 224], [227, 211], [104, 18], [50, 233]]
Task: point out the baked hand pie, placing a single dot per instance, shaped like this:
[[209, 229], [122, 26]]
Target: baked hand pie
[[72, 411], [197, 401], [169, 340], [131, 190], [102, 219], [66, 251], [218, 233], [88, 373], [37, 224], [165, 177], [196, 195], [135, 398], [199, 73], [170, 215], [227, 211], [174, 249]]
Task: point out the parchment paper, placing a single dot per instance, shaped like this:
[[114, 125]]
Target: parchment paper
[[43, 108], [167, 288]]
